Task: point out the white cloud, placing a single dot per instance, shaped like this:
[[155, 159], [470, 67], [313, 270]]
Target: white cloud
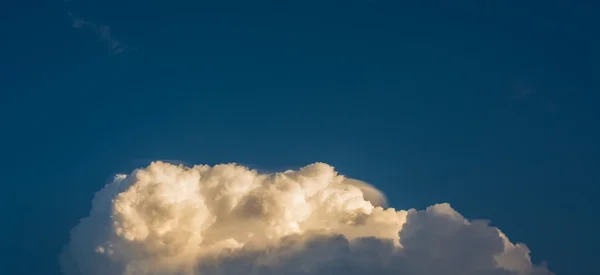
[[230, 220]]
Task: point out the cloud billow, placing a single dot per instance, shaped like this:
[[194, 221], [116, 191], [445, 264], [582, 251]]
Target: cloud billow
[[228, 220]]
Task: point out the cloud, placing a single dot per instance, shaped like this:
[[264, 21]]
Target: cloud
[[230, 220], [102, 31], [522, 90], [370, 193]]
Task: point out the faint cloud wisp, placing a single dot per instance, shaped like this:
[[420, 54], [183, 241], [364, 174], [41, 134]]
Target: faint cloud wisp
[[526, 91], [103, 32], [522, 91]]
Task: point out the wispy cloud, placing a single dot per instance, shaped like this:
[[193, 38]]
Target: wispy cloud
[[114, 46], [522, 90], [526, 91]]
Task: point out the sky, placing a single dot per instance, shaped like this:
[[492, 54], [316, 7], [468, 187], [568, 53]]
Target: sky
[[487, 105]]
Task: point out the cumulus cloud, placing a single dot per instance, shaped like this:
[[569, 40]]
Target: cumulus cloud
[[231, 220]]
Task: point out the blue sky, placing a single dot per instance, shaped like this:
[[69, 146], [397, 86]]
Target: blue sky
[[491, 107]]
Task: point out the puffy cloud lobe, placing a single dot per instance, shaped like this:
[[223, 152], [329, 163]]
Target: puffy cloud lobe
[[229, 220]]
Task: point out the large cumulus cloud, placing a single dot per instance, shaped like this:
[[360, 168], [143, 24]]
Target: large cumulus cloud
[[229, 220]]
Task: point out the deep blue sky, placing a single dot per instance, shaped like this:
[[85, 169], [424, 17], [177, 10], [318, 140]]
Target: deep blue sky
[[489, 106]]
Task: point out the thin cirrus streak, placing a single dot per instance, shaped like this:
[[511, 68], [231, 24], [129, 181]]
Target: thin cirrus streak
[[103, 33], [228, 219]]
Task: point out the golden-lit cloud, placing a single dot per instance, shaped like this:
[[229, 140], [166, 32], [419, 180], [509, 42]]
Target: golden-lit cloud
[[231, 220]]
